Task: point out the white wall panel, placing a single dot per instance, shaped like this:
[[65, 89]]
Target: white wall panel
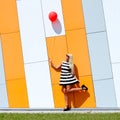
[[30, 17], [2, 75], [105, 93], [116, 74], [39, 85], [112, 18], [57, 28], [3, 96], [99, 56], [32, 30], [34, 50], [3, 92], [94, 16]]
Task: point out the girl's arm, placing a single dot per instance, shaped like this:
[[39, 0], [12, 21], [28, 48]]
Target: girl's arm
[[55, 67]]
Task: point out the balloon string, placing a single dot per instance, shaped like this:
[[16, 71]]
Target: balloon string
[[53, 46]]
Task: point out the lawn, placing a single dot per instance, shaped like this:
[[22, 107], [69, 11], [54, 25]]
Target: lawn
[[59, 116]]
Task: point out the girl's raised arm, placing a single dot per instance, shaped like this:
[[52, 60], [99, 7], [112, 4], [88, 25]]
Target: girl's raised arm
[[55, 67]]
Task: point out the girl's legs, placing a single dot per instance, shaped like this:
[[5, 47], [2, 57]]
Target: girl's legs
[[69, 88], [64, 90]]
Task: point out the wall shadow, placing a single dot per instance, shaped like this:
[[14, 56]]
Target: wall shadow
[[79, 97], [76, 71], [57, 27]]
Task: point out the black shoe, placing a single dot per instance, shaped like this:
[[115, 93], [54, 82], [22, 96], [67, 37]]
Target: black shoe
[[84, 87], [66, 109]]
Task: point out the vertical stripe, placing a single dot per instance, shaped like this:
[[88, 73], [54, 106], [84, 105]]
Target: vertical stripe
[[75, 35], [14, 70], [3, 91], [77, 45], [12, 55], [57, 49], [35, 54], [8, 16], [53, 28], [112, 18], [94, 17], [39, 85], [116, 77], [73, 15], [32, 31], [85, 99], [99, 52], [102, 88]]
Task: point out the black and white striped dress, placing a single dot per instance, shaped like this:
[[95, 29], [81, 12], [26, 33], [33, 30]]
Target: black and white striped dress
[[66, 77]]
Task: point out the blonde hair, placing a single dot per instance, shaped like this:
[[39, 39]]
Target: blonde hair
[[71, 62]]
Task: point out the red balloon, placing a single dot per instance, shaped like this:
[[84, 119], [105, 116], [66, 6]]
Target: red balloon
[[53, 16]]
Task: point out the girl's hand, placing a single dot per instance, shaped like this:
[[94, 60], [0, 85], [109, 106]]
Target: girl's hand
[[50, 60]]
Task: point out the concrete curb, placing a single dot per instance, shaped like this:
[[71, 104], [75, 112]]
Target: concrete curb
[[59, 110]]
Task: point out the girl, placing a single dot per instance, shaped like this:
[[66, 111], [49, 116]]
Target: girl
[[68, 78]]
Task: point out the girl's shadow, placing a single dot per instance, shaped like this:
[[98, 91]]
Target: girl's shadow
[[79, 97]]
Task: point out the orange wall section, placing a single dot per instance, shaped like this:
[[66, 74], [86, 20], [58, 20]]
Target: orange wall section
[[57, 49], [14, 69], [73, 15], [59, 97], [85, 99], [75, 42], [8, 16], [17, 95], [77, 45], [12, 55]]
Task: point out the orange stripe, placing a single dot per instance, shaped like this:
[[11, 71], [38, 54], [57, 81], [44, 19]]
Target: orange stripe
[[57, 48], [73, 15], [8, 16], [85, 99], [17, 95], [12, 55], [59, 97], [77, 45], [14, 68]]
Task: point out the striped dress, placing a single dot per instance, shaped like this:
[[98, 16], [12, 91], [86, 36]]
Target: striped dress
[[66, 77]]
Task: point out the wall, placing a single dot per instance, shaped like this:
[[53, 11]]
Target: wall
[[28, 39]]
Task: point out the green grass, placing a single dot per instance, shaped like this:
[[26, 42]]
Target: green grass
[[59, 116]]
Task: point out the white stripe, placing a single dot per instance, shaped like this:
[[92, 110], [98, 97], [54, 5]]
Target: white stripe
[[3, 91], [66, 76], [65, 64], [66, 71], [67, 79], [68, 82], [34, 50], [63, 67], [39, 85], [32, 30], [57, 28]]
